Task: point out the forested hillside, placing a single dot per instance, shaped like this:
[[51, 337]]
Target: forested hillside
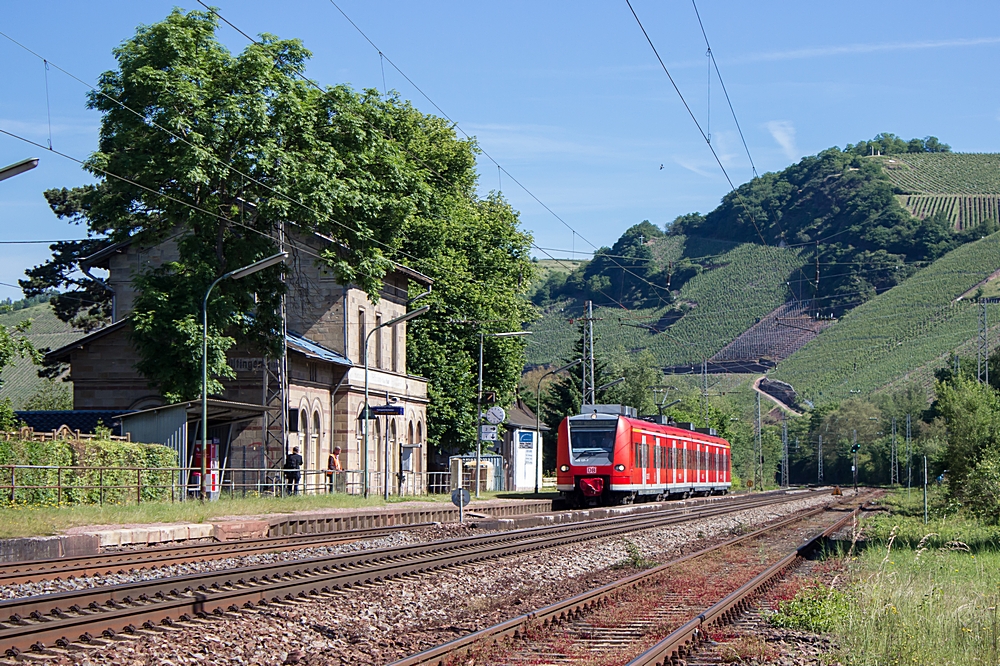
[[915, 325], [830, 232]]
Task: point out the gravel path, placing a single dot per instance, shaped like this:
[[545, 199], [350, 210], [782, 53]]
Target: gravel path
[[379, 623]]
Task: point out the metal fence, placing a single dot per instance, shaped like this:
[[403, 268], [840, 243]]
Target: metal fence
[[57, 485]]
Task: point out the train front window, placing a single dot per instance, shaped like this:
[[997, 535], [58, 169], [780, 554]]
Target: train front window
[[592, 443]]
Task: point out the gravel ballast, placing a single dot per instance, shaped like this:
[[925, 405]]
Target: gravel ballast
[[379, 623]]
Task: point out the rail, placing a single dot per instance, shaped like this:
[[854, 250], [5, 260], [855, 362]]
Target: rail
[[463, 649], [38, 622]]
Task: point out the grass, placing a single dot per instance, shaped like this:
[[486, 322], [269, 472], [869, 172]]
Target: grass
[[897, 332], [918, 594], [48, 520]]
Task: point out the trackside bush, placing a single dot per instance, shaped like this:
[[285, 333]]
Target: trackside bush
[[82, 483], [981, 490]]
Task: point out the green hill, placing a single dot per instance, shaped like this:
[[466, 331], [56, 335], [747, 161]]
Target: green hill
[[902, 331], [20, 381], [728, 296]]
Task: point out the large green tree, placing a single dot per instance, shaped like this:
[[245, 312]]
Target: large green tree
[[480, 261], [214, 149]]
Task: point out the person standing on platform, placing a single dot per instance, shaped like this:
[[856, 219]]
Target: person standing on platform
[[333, 469], [292, 473]]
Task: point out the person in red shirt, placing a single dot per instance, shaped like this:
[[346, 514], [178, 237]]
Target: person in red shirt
[[332, 468]]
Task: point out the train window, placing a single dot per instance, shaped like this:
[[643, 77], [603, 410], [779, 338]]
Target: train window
[[635, 455], [657, 457], [645, 455], [592, 442]]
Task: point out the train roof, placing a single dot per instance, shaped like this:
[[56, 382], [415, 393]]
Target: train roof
[[686, 430], [674, 431]]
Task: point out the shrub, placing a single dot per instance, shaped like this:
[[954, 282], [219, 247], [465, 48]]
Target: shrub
[[817, 609], [83, 485], [981, 491]]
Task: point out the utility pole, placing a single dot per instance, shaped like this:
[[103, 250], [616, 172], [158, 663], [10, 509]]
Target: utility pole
[[758, 463], [909, 458], [275, 389], [784, 452], [819, 462], [816, 293], [983, 346], [925, 490], [854, 450], [589, 381], [893, 468], [704, 391]]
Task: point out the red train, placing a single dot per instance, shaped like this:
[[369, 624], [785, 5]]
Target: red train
[[608, 456]]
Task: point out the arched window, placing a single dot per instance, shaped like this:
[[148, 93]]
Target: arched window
[[316, 440], [420, 433], [409, 434]]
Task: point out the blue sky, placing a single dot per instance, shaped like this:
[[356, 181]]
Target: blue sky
[[567, 96]]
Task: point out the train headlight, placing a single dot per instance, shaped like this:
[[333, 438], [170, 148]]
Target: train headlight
[[619, 467], [563, 468]]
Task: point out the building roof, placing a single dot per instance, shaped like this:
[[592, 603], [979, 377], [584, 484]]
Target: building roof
[[62, 353], [520, 417], [219, 411], [84, 420], [315, 350], [294, 341]]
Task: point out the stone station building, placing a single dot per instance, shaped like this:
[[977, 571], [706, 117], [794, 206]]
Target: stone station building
[[327, 323]]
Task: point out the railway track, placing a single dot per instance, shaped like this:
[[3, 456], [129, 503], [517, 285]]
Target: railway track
[[63, 618], [624, 618], [152, 558]]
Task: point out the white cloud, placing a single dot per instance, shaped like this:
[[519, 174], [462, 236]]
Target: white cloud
[[784, 133], [854, 49]]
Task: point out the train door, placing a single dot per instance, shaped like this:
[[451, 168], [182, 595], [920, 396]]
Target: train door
[[672, 462], [642, 463], [657, 461], [684, 463]]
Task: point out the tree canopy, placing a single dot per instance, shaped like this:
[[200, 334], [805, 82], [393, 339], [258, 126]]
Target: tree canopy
[[216, 149]]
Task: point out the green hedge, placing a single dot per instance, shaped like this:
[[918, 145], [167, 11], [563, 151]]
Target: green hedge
[[86, 456]]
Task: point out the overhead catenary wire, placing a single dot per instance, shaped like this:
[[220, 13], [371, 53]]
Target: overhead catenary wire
[[485, 153], [666, 71], [711, 55]]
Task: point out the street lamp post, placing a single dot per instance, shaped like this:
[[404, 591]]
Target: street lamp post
[[367, 409], [479, 394], [538, 412], [233, 275], [17, 168]]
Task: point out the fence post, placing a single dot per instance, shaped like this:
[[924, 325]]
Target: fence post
[[13, 485], [100, 476], [138, 486], [59, 486]]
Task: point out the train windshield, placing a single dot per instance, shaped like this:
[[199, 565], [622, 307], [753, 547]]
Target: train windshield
[[592, 442]]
